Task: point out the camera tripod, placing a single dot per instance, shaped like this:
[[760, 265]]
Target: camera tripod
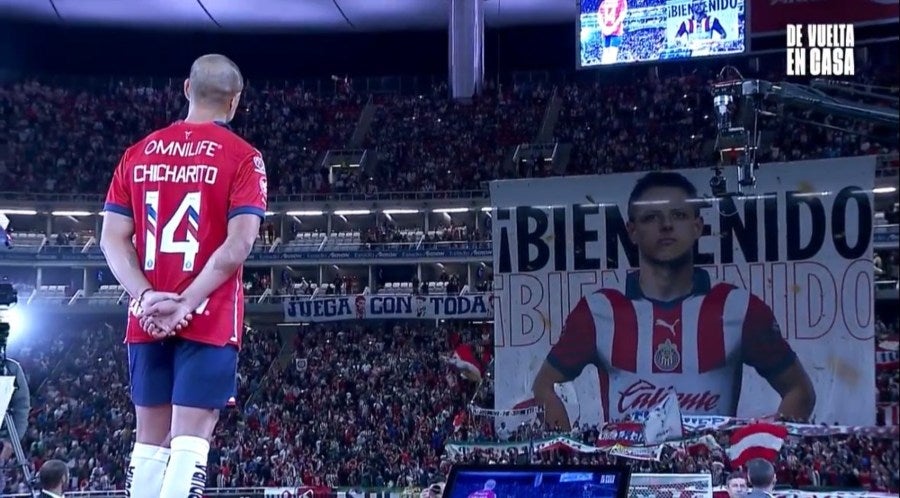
[[14, 437]]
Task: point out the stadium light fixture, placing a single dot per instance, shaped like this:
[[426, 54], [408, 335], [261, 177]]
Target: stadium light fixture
[[15, 318], [486, 209], [304, 213], [24, 212], [351, 212], [884, 190], [400, 211], [271, 213], [71, 213], [451, 210]]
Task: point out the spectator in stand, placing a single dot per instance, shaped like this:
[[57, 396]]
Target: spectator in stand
[[736, 485], [761, 474]]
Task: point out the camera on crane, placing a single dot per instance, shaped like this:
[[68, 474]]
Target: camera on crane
[[718, 184], [737, 109]]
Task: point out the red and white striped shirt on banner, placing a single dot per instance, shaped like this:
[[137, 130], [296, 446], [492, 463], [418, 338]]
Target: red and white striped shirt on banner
[[696, 345], [886, 358], [760, 440], [890, 412]]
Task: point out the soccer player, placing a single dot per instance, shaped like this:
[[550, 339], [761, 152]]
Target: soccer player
[[487, 492], [182, 214], [611, 16], [671, 328]]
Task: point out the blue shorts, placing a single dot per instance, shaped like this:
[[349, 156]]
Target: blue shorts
[[612, 41], [183, 373]]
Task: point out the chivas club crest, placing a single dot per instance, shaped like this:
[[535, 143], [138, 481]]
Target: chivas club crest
[[667, 358]]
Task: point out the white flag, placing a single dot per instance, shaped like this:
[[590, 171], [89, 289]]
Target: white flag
[[7, 386], [664, 421], [4, 224]]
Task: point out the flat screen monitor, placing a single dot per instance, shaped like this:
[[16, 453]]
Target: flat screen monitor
[[537, 481], [616, 32]]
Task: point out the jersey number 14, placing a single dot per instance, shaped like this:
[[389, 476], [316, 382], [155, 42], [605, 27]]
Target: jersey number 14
[[188, 208]]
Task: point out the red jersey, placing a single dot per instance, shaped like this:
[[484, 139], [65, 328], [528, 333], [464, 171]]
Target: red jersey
[[181, 185], [697, 345]]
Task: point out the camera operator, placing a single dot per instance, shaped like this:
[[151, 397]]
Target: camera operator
[[19, 407]]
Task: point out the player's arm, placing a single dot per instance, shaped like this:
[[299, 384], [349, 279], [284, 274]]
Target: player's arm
[[121, 256], [575, 350], [225, 261], [622, 11], [717, 28], [770, 354], [117, 232], [246, 210]]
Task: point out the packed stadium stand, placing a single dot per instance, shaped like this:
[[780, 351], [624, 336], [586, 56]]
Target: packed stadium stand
[[371, 404], [327, 409]]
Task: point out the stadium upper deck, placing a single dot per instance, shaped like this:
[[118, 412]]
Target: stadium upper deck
[[370, 193]]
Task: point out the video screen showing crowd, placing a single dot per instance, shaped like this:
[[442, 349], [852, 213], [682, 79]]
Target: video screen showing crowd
[[627, 31]]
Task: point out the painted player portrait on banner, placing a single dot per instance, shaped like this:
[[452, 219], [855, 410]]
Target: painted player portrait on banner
[[626, 31], [611, 290]]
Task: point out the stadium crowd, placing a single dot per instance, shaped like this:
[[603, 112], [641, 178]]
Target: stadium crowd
[[422, 142], [324, 408], [358, 404]]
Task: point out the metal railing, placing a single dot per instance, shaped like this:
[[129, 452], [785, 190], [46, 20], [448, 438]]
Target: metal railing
[[97, 199], [409, 245], [887, 167]]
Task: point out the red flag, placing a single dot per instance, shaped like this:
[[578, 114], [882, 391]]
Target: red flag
[[760, 440]]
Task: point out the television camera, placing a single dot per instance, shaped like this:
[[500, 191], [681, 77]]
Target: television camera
[[743, 108]]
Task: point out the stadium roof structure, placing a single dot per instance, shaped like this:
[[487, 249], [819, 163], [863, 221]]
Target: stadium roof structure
[[281, 15]]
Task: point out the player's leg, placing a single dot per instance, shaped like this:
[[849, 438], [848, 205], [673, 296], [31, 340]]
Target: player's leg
[[152, 375], [611, 52], [205, 379]]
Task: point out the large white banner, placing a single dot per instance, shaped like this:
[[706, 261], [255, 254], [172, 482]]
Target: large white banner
[[599, 312], [388, 307]]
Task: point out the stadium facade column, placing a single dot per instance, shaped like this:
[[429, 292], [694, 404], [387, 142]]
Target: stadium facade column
[[275, 277], [466, 48], [89, 281]]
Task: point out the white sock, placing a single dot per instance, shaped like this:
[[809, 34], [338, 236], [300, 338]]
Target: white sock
[[186, 472], [145, 471]]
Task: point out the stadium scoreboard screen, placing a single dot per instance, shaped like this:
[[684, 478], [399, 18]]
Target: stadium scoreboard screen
[[614, 32], [535, 481]]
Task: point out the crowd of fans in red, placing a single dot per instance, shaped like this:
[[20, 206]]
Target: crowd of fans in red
[[325, 408]]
